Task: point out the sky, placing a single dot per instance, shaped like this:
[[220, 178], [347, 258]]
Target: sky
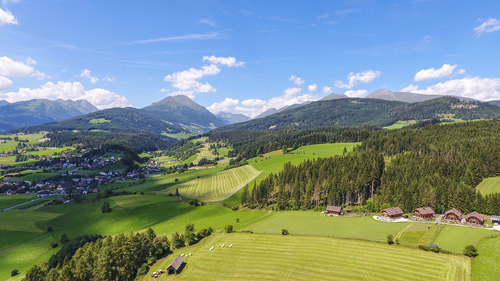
[[245, 56]]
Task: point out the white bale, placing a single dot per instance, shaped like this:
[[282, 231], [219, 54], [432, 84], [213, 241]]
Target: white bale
[[223, 245], [190, 254]]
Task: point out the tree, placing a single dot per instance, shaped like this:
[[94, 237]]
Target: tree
[[105, 208], [390, 240], [177, 241], [14, 272], [284, 231], [177, 190], [49, 228], [285, 149], [64, 239], [229, 228], [470, 251]]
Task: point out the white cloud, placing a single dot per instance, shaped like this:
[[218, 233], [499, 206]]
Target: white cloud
[[296, 80], [208, 22], [9, 67], [5, 83], [226, 105], [101, 98], [410, 88], [312, 87], [195, 36], [5, 2], [432, 73], [87, 75], [356, 93], [30, 61], [358, 78], [474, 87], [292, 91], [487, 26], [6, 17], [227, 61], [327, 90]]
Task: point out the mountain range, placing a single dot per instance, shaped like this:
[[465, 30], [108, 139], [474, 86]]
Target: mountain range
[[232, 118]]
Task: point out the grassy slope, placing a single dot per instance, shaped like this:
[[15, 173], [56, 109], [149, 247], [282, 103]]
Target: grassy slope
[[217, 186], [7, 201], [275, 163], [455, 238], [292, 257], [489, 186], [400, 124], [486, 266], [419, 234]]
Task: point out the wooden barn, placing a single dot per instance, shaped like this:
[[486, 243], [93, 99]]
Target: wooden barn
[[333, 210], [393, 212], [176, 266], [424, 213], [453, 215], [474, 218]]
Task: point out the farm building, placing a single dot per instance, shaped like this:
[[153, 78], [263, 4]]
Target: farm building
[[495, 219], [175, 266], [424, 213], [474, 218], [393, 212], [453, 215], [333, 210]]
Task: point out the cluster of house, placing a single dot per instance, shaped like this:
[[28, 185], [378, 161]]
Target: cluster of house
[[426, 213]]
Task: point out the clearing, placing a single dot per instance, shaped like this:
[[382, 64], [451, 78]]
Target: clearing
[[486, 266], [455, 238], [489, 186]]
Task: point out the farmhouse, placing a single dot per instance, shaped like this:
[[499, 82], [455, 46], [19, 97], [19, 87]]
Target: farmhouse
[[393, 212], [424, 213], [333, 210], [453, 215], [175, 266], [474, 218]]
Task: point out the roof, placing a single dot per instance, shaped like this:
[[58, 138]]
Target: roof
[[335, 209], [454, 212], [425, 211], [393, 211], [176, 264], [474, 215]]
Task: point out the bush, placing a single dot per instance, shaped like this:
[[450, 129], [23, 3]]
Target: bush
[[64, 238], [423, 247], [14, 272], [49, 228], [105, 208], [470, 251], [143, 269], [284, 231], [390, 240], [229, 228], [53, 245]]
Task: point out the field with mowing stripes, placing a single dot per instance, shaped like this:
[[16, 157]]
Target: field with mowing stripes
[[486, 266], [293, 257], [218, 186], [489, 186]]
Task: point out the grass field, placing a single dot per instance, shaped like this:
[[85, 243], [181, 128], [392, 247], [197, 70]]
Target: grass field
[[489, 186], [99, 121], [217, 186], [486, 266], [401, 124], [292, 257], [455, 238], [274, 164], [314, 223], [7, 201], [419, 234]]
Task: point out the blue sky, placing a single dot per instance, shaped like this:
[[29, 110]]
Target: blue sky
[[245, 56]]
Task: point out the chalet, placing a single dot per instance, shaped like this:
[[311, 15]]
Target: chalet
[[176, 266], [495, 219], [474, 218], [393, 212], [424, 213], [333, 210], [453, 215]]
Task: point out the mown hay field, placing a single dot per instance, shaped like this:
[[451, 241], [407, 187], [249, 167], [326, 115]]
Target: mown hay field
[[489, 186], [296, 257]]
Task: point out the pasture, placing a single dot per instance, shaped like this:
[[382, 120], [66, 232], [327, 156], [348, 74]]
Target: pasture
[[294, 257], [314, 223], [486, 266], [401, 124], [7, 201], [489, 186], [99, 121], [418, 234], [455, 238], [217, 186]]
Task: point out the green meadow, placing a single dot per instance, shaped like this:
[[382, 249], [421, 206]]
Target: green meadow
[[7, 201], [295, 257], [99, 121], [455, 238], [486, 266], [489, 186], [401, 124]]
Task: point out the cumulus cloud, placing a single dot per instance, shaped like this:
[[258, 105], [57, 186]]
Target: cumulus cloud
[[6, 17], [5, 83], [312, 87], [225, 105], [101, 98], [358, 78], [432, 73], [10, 67], [474, 87], [410, 88], [296, 80], [327, 90], [487, 26], [87, 75], [356, 93], [227, 61]]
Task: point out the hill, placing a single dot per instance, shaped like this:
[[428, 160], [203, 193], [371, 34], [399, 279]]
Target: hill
[[3, 102], [495, 102], [334, 97], [40, 111], [384, 94], [185, 112], [272, 111], [232, 118]]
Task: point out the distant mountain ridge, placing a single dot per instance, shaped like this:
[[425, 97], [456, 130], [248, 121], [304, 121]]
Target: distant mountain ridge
[[232, 118], [384, 94], [40, 111]]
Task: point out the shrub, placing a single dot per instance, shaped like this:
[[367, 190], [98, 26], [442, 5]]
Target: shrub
[[284, 231], [105, 208], [229, 228], [14, 272], [390, 240], [470, 251], [53, 245], [143, 269], [49, 228]]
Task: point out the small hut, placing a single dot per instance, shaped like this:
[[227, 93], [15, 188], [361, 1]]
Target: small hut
[[474, 218], [453, 215], [333, 210], [175, 266], [393, 213], [424, 213]]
